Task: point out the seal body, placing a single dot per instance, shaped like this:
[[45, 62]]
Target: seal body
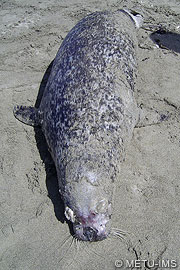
[[87, 114]]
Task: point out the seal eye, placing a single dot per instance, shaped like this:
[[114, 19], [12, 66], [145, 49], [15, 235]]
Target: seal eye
[[90, 233]]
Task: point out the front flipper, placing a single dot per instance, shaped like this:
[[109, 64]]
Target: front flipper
[[28, 115]]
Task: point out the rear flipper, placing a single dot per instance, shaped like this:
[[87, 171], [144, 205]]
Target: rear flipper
[[28, 115]]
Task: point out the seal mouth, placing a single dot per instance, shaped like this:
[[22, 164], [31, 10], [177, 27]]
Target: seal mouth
[[90, 234], [92, 231]]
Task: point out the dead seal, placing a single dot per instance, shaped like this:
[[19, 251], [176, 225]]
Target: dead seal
[[88, 113]]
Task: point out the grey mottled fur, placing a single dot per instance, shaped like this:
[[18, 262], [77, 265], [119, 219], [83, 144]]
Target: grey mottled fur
[[88, 106]]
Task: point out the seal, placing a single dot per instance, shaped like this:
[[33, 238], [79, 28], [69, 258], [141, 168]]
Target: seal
[[88, 113]]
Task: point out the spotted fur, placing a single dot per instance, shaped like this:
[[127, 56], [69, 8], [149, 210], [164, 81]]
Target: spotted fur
[[88, 113]]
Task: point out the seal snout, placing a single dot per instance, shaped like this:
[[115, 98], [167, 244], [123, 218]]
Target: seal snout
[[92, 230], [90, 233], [87, 233]]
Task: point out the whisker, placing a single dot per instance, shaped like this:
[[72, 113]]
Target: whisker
[[120, 231], [87, 244], [65, 240], [75, 241], [116, 234], [50, 248], [66, 251], [122, 235]]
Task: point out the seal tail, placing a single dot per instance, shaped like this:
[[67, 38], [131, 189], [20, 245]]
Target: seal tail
[[136, 17], [28, 115]]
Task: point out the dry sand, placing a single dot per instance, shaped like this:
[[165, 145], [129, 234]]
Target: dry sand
[[147, 201]]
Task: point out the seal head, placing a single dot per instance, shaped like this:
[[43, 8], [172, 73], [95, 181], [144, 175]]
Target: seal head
[[91, 222], [88, 204]]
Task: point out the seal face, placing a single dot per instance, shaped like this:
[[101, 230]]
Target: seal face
[[87, 114]]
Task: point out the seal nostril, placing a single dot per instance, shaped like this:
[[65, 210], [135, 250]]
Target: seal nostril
[[90, 233]]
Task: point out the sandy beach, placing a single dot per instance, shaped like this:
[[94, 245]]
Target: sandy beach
[[34, 234]]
